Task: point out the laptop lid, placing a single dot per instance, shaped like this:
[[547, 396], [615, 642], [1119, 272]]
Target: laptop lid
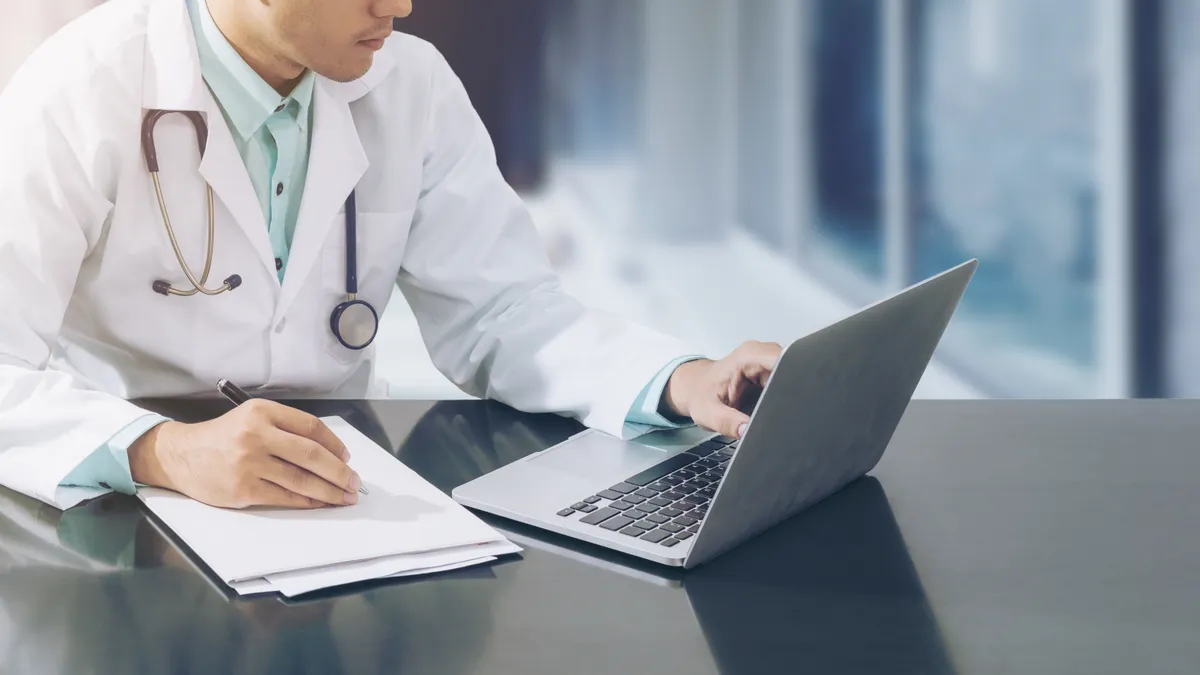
[[829, 410]]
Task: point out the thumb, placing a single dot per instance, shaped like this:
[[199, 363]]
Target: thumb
[[722, 419]]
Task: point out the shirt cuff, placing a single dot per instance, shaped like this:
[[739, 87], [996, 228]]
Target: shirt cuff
[[646, 407], [108, 465]]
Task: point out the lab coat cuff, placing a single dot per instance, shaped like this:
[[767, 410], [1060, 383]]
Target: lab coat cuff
[[646, 410], [36, 473], [627, 381]]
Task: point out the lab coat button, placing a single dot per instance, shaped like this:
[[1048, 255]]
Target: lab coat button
[[104, 485], [279, 189]]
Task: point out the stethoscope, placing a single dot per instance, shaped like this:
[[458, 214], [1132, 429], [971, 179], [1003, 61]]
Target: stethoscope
[[354, 322]]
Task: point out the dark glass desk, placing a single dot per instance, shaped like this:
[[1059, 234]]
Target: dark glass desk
[[995, 537]]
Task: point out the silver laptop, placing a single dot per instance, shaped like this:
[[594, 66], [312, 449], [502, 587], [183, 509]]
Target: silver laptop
[[683, 497]]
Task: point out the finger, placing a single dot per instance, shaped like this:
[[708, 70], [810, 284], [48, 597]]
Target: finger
[[756, 361], [302, 424], [272, 494], [300, 481], [721, 419], [313, 458]]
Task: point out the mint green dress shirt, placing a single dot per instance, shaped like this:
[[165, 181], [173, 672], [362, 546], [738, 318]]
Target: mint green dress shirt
[[273, 135]]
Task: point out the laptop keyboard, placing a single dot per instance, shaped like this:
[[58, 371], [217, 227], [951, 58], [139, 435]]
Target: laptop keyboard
[[664, 504]]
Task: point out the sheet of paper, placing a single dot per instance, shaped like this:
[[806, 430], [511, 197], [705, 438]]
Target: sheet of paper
[[305, 581], [259, 586], [253, 586], [402, 514]]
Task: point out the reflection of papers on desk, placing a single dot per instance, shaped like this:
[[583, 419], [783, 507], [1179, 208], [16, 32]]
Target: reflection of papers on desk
[[405, 526]]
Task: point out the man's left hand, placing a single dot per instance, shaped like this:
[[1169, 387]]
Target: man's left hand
[[718, 395]]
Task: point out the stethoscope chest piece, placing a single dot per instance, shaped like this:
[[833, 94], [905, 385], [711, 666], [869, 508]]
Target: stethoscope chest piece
[[354, 323]]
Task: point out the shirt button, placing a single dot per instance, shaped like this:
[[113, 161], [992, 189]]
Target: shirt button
[[278, 264], [279, 189], [104, 485], [280, 108]]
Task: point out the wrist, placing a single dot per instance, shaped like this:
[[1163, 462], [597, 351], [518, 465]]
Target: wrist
[[677, 394], [149, 456]]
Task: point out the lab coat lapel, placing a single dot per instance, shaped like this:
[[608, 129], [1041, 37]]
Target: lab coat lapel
[[171, 80], [337, 162], [222, 167]]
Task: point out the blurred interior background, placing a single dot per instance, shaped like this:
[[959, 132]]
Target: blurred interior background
[[725, 170]]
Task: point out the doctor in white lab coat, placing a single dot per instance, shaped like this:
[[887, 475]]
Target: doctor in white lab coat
[[82, 241]]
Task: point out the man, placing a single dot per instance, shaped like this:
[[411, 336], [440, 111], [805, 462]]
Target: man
[[297, 116]]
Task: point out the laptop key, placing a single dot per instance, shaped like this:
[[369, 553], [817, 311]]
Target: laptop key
[[708, 492], [685, 521], [685, 474], [587, 508], [616, 522], [706, 463], [620, 506], [566, 512], [633, 531], [610, 494], [623, 488], [671, 527], [673, 495], [673, 479], [722, 457], [661, 469], [686, 504], [669, 542], [686, 534], [657, 519], [647, 493], [644, 524], [634, 499], [671, 512], [599, 516], [656, 536], [578, 506], [646, 508], [660, 486], [660, 502], [591, 500]]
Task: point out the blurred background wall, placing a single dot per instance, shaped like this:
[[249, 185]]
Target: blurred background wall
[[725, 170]]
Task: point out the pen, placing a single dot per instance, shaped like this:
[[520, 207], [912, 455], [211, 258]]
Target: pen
[[238, 396]]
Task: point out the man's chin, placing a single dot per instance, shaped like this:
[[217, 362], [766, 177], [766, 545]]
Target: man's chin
[[348, 72]]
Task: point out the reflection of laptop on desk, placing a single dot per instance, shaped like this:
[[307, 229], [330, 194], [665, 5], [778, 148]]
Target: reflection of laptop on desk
[[835, 586], [681, 498]]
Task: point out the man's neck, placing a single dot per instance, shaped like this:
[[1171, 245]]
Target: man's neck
[[281, 73]]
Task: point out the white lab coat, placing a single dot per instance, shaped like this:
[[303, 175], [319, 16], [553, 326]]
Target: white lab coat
[[81, 241]]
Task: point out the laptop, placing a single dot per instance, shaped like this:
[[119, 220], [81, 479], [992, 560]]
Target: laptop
[[683, 497]]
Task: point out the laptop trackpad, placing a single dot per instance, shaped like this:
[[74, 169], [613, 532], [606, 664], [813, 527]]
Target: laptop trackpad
[[593, 454]]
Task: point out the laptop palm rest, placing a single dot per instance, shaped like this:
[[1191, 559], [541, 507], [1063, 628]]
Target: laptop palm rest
[[598, 456]]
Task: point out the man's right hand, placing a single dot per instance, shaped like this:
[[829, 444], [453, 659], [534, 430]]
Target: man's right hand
[[260, 453]]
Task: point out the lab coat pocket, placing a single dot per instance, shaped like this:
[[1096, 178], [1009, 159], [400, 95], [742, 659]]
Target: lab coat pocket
[[382, 238]]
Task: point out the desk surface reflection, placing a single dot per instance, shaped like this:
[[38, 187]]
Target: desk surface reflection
[[995, 537]]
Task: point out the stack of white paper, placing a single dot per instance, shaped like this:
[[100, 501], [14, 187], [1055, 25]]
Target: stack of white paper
[[405, 526]]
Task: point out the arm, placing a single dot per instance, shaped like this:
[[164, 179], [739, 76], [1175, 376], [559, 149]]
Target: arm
[[51, 218], [491, 311]]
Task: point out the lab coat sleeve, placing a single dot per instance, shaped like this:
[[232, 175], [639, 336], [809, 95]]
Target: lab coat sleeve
[[489, 306], [51, 217]]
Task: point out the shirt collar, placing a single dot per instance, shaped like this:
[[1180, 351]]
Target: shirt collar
[[248, 101]]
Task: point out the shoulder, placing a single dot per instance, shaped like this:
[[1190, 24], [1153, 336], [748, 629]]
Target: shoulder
[[94, 58]]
